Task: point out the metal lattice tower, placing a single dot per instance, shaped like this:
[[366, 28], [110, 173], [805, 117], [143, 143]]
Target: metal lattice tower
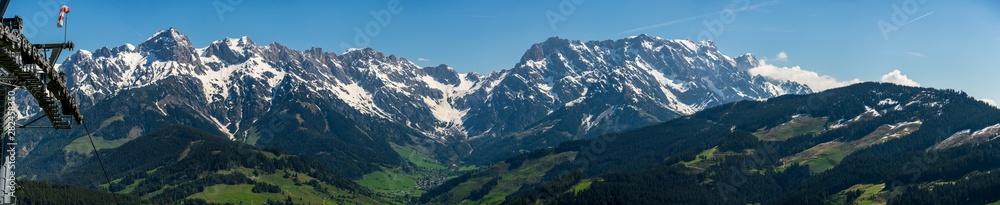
[[9, 123], [25, 66]]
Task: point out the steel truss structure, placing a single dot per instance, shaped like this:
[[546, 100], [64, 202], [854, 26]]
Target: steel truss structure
[[30, 67]]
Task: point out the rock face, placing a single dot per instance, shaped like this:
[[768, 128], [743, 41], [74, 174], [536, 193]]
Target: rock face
[[624, 83], [563, 90], [560, 90]]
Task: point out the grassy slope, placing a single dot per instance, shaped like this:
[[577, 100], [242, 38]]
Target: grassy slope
[[707, 154], [253, 137], [400, 183], [583, 185], [796, 127], [870, 194], [300, 194], [510, 180], [825, 156], [237, 194], [418, 156], [392, 181], [82, 144]]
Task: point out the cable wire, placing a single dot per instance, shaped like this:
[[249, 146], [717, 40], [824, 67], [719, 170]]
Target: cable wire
[[24, 191], [99, 160]]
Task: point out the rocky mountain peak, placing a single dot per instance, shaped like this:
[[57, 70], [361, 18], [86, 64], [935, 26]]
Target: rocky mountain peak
[[443, 73], [232, 50], [746, 61], [169, 45]]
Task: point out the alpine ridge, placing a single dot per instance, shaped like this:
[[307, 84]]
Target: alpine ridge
[[560, 90]]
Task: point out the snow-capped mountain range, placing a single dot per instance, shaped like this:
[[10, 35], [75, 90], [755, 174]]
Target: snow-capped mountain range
[[625, 83]]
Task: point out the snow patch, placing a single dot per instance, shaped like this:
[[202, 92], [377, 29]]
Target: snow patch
[[905, 124], [887, 101], [536, 64], [444, 112], [969, 137], [357, 97], [687, 44], [840, 123], [219, 82]]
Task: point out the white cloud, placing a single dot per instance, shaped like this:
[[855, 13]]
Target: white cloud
[[782, 56], [812, 79], [915, 54], [991, 102], [897, 77], [423, 59]]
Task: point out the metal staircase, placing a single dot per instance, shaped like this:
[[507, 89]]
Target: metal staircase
[[25, 66]]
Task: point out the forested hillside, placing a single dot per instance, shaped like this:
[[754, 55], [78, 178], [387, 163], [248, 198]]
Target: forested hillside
[[185, 164], [867, 142]]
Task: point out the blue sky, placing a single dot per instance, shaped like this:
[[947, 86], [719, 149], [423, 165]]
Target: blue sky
[[942, 44]]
